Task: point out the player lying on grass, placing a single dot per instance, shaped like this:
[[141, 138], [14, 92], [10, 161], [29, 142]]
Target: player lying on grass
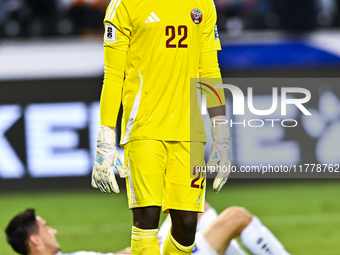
[[30, 235]]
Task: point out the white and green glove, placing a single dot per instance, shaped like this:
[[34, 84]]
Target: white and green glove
[[220, 153], [103, 176]]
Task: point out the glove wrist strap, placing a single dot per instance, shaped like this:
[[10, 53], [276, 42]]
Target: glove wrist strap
[[106, 137], [220, 132], [218, 119]]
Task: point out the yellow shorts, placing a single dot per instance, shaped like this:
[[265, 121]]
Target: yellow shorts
[[164, 174]]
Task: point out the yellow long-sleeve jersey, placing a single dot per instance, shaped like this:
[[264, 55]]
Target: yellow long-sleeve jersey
[[159, 44]]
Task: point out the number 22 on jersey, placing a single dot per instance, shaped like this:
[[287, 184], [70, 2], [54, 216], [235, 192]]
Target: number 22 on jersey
[[181, 31]]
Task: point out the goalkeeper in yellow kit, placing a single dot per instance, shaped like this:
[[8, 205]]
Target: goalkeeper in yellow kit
[[157, 46]]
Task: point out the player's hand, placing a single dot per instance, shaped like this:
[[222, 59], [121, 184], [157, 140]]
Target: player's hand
[[103, 176], [220, 155]]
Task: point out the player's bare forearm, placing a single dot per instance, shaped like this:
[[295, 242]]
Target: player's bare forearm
[[217, 111]]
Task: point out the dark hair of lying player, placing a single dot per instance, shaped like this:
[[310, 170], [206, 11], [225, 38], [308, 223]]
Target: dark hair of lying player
[[19, 230]]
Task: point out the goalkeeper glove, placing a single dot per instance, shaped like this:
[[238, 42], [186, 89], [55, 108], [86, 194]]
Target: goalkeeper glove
[[103, 176], [220, 153]]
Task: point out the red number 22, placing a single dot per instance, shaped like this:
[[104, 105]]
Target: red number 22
[[193, 182], [171, 30]]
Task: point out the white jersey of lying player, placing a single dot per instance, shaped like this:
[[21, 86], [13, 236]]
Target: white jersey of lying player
[[202, 247]]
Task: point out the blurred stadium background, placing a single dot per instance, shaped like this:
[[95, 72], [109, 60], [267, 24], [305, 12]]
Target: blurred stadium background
[[51, 70]]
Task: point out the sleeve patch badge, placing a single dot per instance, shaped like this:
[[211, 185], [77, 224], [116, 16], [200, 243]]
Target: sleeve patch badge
[[110, 33], [196, 16], [217, 37]]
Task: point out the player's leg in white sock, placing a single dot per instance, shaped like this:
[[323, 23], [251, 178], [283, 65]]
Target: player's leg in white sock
[[234, 248], [260, 241]]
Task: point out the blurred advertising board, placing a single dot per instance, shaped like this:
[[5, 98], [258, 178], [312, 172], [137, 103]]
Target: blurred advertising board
[[49, 105], [48, 128]]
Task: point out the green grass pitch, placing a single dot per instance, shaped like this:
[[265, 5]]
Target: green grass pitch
[[305, 216]]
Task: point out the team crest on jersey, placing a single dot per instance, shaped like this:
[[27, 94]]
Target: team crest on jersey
[[196, 16]]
